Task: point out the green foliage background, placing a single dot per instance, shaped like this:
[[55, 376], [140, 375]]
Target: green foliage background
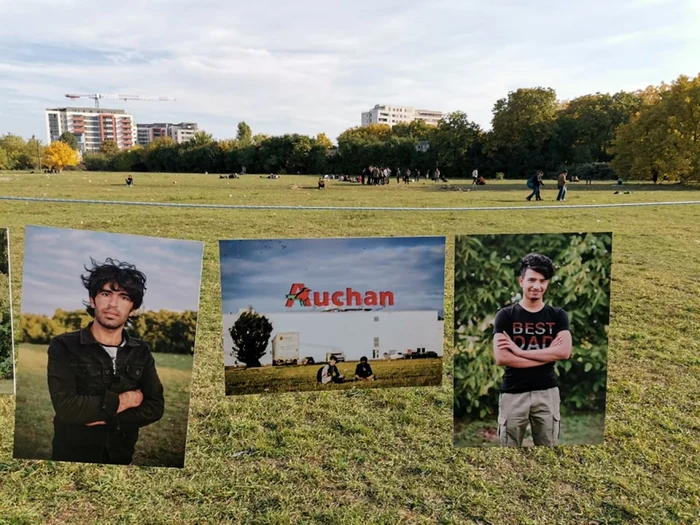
[[5, 316], [486, 271], [164, 331]]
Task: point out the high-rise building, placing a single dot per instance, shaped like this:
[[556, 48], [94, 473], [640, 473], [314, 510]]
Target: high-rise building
[[391, 115], [91, 126], [182, 132]]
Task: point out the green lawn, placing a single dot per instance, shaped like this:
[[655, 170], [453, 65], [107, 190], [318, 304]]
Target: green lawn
[[386, 456], [268, 379], [160, 444], [6, 386]]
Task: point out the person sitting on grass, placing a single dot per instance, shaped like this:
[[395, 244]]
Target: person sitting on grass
[[330, 373], [321, 183], [363, 371]]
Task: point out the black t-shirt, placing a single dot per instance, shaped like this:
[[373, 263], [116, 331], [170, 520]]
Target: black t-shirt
[[530, 331], [363, 370]]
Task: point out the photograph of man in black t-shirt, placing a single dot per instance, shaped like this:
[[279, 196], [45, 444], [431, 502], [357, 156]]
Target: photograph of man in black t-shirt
[[529, 337]]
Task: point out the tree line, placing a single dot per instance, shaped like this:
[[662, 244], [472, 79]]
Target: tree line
[[631, 134], [164, 331]]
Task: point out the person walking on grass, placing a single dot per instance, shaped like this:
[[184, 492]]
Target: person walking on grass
[[535, 183], [561, 185], [475, 178], [529, 337]]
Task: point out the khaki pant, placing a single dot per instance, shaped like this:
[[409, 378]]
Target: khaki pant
[[540, 408]]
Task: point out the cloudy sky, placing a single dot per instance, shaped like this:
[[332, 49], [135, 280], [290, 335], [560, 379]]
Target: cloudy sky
[[55, 258], [310, 66], [260, 273]]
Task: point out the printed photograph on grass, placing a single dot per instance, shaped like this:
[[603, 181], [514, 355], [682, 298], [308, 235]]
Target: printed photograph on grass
[[7, 372], [531, 338], [327, 314], [107, 338]]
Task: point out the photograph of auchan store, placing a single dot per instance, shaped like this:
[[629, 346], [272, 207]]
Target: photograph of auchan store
[[322, 326]]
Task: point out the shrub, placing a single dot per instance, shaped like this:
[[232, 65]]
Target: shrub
[[500, 175], [597, 171]]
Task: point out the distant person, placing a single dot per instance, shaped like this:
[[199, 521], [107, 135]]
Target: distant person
[[329, 373], [363, 370], [534, 183], [475, 178], [129, 181], [103, 383], [436, 174], [321, 183], [589, 178], [561, 185], [529, 337], [407, 176], [654, 174]]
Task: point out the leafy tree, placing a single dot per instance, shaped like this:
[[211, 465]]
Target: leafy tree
[[69, 139], [586, 126], [523, 125], [486, 270], [17, 152], [457, 145], [251, 334], [60, 155], [4, 160], [109, 148], [664, 135], [323, 141], [244, 136], [201, 138]]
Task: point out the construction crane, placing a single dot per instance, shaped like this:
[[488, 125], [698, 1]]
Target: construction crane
[[97, 96]]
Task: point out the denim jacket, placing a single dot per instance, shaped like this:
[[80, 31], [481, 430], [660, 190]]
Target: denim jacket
[[85, 388]]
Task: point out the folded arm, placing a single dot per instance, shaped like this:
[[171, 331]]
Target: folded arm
[[505, 356], [559, 350], [152, 407]]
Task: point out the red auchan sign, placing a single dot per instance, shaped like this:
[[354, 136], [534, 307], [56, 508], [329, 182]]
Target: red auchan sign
[[304, 296]]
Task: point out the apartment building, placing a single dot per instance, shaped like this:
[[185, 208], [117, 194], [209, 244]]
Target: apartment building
[[91, 126], [180, 133], [391, 115]]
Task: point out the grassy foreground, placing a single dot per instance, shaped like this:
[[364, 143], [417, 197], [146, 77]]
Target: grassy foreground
[[161, 444], [386, 455], [269, 379]]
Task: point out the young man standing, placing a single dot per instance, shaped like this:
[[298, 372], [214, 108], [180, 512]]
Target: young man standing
[[475, 178], [103, 383], [529, 337]]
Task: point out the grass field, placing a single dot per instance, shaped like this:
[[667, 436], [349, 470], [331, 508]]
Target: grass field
[[386, 455], [160, 444], [269, 379], [6, 386]]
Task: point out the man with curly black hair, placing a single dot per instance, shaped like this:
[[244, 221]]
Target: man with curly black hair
[[103, 383], [529, 337]]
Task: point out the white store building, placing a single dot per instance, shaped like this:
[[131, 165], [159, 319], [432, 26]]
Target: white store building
[[355, 333]]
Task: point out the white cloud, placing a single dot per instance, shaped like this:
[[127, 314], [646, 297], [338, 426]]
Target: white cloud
[[310, 66]]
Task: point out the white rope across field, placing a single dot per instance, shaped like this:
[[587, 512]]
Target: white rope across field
[[344, 208]]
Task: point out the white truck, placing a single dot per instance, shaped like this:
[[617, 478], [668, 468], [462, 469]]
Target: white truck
[[285, 348]]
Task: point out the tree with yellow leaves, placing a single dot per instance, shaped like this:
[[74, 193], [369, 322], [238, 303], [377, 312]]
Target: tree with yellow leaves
[[59, 155]]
